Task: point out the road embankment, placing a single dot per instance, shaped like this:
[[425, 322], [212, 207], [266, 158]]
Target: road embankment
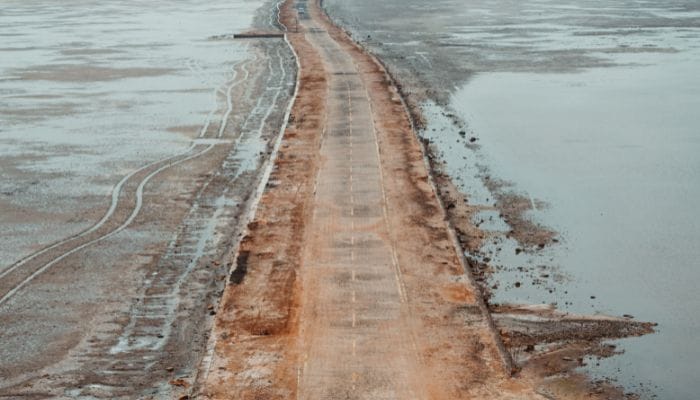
[[350, 282]]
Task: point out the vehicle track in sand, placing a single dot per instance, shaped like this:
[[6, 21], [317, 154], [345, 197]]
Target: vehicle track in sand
[[152, 321], [116, 192], [126, 195], [168, 287], [126, 354]]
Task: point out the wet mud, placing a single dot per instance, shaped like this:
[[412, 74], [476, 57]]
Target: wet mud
[[117, 301]]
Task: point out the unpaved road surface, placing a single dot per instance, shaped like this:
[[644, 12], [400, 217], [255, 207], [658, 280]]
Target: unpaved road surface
[[349, 284], [357, 334]]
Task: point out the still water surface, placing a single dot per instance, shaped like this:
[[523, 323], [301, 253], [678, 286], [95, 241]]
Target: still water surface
[[616, 155]]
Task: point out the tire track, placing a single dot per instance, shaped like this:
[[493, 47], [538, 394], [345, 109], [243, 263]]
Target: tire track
[[204, 369], [229, 102], [124, 225], [116, 191], [162, 313], [215, 96], [15, 278], [130, 340]]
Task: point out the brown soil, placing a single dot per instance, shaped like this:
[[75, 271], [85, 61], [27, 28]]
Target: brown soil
[[532, 326]]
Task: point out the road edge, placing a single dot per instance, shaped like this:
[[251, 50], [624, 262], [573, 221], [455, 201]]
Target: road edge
[[205, 364]]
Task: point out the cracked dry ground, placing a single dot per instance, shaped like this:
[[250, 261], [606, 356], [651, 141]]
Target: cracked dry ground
[[348, 284]]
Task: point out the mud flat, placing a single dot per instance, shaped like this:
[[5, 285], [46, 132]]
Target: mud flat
[[129, 171], [563, 142]]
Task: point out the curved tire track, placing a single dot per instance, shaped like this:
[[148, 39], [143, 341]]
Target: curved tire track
[[157, 324], [128, 191], [14, 279], [132, 342]]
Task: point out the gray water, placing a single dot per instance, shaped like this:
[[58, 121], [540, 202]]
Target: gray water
[[617, 162], [591, 109]]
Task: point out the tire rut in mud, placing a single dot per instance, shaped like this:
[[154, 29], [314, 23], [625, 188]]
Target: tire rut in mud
[[163, 334]]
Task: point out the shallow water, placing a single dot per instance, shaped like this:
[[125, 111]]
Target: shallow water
[[590, 108], [90, 91], [615, 154]]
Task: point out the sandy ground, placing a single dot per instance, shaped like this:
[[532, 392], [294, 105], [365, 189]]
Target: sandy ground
[[350, 282], [123, 309]]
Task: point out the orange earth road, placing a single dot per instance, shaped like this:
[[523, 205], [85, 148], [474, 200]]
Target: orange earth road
[[353, 287]]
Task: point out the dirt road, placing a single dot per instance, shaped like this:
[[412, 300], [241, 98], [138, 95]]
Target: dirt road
[[356, 333], [349, 284]]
